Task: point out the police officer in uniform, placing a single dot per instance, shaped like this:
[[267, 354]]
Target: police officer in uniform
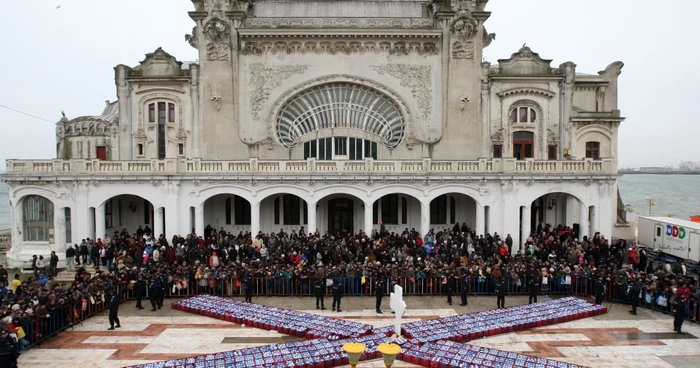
[[161, 291], [599, 289], [249, 288], [465, 289], [451, 286], [500, 288], [678, 312], [635, 295], [319, 290], [113, 310], [153, 291], [139, 288], [379, 290], [337, 294], [533, 287]]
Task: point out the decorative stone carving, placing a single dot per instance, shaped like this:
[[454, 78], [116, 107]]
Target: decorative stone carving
[[140, 136], [192, 38], [339, 23], [265, 78], [488, 38], [417, 78], [181, 135], [463, 25], [552, 139], [156, 183], [217, 33], [258, 48], [497, 138], [463, 50], [411, 142]]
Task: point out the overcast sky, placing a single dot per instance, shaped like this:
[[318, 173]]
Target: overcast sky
[[63, 59]]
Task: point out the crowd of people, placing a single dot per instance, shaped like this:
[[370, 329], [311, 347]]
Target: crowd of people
[[453, 259]]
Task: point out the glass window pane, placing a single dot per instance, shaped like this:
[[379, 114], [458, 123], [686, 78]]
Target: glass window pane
[[171, 112], [523, 115], [533, 115], [313, 149], [528, 150], [353, 153], [322, 149], [306, 150], [514, 116], [374, 150], [329, 149]]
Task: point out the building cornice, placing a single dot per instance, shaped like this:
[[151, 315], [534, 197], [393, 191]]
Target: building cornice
[[340, 33], [527, 91]]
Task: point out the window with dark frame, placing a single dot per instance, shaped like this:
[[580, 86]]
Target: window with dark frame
[[161, 130], [497, 151], [523, 114], [108, 217], [523, 143], [390, 209], [404, 210], [146, 212], [290, 208], [593, 150], [180, 149], [375, 212], [438, 210], [552, 152], [227, 210], [241, 211], [277, 211], [453, 209], [140, 149]]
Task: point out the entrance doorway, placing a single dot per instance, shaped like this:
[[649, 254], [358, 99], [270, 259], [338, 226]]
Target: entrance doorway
[[340, 216]]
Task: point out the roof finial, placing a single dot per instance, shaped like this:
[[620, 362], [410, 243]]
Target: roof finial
[[525, 45], [63, 113]]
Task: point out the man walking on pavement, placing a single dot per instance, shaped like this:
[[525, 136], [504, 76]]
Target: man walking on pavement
[[379, 292], [113, 310], [337, 295], [319, 290], [678, 312], [500, 289]]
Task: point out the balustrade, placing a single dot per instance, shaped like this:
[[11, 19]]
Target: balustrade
[[426, 166]]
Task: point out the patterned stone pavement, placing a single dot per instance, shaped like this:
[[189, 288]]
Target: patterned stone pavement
[[612, 340]]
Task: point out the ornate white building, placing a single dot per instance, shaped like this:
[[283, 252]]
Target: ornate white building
[[331, 115]]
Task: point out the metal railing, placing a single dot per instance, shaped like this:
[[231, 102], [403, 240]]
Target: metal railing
[[74, 312]]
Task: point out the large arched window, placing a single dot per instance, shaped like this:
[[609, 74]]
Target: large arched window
[[523, 143], [37, 218], [340, 105]]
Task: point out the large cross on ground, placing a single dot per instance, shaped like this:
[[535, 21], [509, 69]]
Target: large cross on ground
[[437, 342]]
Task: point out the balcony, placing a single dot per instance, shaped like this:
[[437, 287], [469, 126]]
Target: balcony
[[183, 166]]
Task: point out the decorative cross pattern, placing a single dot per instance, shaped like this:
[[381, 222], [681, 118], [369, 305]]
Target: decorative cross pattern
[[428, 343]]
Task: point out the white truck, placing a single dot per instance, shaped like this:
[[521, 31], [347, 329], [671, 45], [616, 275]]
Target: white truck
[[678, 238]]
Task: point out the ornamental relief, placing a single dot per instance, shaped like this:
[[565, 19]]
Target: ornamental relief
[[420, 23], [217, 31], [255, 48], [265, 78], [417, 78]]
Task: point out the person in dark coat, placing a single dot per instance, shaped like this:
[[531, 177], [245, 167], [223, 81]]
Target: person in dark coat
[[379, 292], [500, 289], [678, 312], [249, 288], [465, 289], [153, 291], [533, 287], [319, 291], [161, 292], [139, 289], [599, 290], [451, 285], [113, 310], [337, 294], [635, 295], [8, 350]]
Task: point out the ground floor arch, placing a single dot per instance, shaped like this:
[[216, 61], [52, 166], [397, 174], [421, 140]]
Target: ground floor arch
[[397, 212], [126, 213], [453, 209], [38, 223], [552, 210], [284, 212], [225, 212], [341, 214]]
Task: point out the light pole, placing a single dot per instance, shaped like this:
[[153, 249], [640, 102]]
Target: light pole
[[650, 203]]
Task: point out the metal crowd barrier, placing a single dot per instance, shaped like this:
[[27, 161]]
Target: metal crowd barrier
[[75, 312]]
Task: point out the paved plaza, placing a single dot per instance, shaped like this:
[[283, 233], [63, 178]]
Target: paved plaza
[[615, 339]]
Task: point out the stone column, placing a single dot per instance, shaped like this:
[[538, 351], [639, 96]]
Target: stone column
[[368, 217], [158, 222], [254, 218], [511, 221], [424, 217], [173, 212], [59, 229], [570, 210], [311, 210], [583, 220], [480, 227], [100, 229], [199, 220], [525, 225]]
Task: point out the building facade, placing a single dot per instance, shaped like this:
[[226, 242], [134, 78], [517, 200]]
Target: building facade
[[332, 115]]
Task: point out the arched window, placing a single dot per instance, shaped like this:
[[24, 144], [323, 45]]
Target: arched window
[[161, 113], [37, 219], [340, 105], [523, 143], [523, 114]]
